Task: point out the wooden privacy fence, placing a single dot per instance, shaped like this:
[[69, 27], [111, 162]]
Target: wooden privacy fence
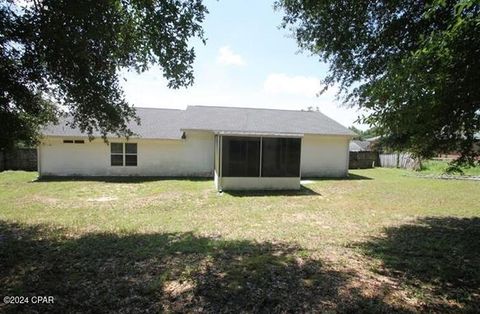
[[19, 159], [363, 160], [370, 159], [398, 160]]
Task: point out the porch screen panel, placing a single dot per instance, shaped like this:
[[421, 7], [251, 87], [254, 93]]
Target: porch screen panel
[[281, 157], [240, 156]]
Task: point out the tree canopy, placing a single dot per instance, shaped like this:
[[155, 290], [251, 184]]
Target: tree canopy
[[414, 65], [363, 135], [66, 55]]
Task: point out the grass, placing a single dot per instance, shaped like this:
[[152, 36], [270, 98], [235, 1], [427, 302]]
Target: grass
[[381, 241], [438, 167]]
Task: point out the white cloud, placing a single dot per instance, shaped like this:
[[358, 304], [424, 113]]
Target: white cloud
[[226, 56], [279, 83]]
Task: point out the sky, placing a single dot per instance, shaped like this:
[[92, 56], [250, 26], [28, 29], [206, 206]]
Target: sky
[[247, 61]]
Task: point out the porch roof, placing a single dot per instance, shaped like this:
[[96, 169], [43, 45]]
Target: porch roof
[[258, 134]]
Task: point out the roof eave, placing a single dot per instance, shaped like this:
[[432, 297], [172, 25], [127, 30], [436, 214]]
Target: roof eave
[[113, 137], [215, 131]]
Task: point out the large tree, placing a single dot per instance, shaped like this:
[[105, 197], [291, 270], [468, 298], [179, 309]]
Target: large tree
[[62, 55], [414, 65]]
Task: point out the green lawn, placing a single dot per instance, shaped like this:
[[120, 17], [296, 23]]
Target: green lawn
[[438, 167], [381, 241]]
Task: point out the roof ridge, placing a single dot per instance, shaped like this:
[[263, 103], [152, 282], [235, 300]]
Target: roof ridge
[[254, 108], [155, 108]]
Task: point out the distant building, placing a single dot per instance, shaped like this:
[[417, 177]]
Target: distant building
[[359, 146]]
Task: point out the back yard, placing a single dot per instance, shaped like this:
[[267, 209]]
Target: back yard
[[381, 241]]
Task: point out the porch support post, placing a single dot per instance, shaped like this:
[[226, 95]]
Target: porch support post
[[260, 161]]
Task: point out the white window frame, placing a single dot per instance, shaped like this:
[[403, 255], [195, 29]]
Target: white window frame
[[123, 154]]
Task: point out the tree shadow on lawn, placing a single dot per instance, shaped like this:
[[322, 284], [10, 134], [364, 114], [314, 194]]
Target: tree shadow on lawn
[[438, 257], [169, 272]]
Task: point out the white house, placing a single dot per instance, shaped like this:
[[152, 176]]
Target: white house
[[241, 148]]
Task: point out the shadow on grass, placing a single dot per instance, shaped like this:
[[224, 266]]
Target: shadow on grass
[[350, 177], [168, 272], [438, 257], [302, 191], [142, 179], [118, 179]]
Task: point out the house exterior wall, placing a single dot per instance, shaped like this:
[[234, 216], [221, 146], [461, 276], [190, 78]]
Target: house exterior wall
[[321, 156], [192, 156], [324, 156]]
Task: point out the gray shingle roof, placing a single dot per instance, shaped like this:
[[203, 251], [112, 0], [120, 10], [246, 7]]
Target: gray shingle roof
[[154, 123], [169, 123], [261, 120]]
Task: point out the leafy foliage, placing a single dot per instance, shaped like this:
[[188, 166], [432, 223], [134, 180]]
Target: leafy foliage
[[414, 65], [57, 55], [362, 135], [440, 167]]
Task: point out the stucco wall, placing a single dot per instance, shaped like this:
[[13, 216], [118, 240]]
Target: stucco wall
[[324, 156], [190, 157]]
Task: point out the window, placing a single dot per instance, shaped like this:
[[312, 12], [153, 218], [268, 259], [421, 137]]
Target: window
[[281, 157], [73, 141], [123, 154], [130, 154], [116, 150], [240, 156]]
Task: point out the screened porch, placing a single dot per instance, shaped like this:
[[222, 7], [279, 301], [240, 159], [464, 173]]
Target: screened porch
[[254, 161]]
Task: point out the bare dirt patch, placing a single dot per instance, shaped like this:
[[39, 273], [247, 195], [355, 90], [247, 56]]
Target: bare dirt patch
[[103, 199]]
